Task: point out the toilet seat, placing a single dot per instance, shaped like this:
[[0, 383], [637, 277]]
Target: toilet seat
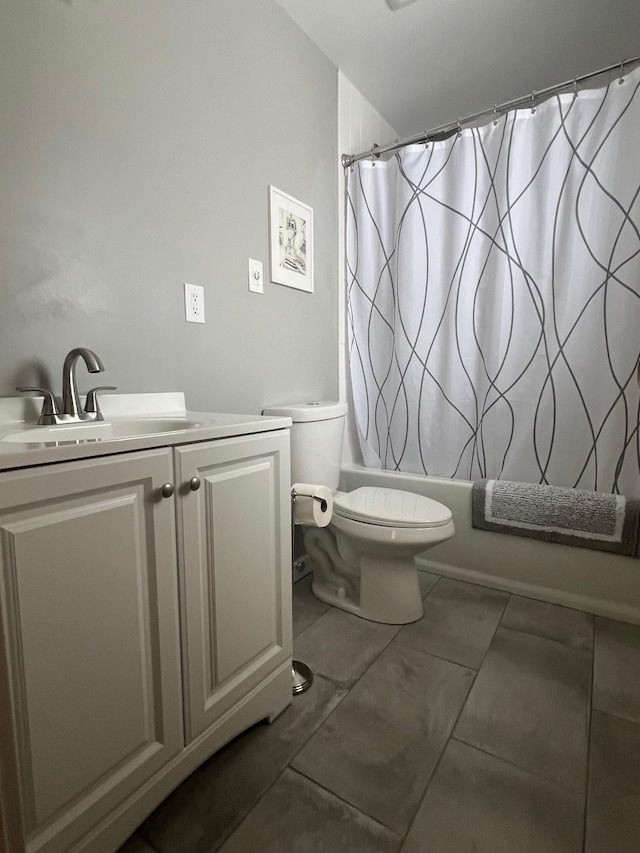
[[390, 508]]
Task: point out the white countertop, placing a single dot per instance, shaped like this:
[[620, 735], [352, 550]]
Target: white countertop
[[20, 414]]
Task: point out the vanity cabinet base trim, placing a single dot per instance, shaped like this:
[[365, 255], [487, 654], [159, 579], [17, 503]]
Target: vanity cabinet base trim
[[267, 701]]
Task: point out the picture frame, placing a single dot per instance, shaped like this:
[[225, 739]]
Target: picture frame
[[290, 241]]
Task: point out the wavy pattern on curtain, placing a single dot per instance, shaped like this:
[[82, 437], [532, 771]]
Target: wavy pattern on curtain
[[493, 298]]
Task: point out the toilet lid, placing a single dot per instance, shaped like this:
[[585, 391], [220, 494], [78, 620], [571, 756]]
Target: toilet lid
[[390, 508]]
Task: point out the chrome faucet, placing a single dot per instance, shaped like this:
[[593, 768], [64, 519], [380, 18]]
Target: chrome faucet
[[70, 401], [71, 409]]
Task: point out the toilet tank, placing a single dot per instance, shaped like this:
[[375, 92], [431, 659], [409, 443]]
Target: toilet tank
[[316, 440]]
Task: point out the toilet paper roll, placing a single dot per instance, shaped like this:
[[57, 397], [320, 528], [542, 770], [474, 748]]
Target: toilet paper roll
[[313, 504]]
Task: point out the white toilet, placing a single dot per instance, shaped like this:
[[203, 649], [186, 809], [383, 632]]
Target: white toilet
[[364, 561]]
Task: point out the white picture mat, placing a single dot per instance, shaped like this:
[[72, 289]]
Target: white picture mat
[[290, 241]]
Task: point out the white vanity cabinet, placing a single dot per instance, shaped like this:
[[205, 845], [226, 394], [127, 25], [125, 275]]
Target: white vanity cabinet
[[139, 633], [234, 539], [90, 634]]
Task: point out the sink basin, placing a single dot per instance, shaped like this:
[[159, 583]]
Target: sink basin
[[101, 431]]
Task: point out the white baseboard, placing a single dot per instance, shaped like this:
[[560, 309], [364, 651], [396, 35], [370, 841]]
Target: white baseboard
[[600, 607]]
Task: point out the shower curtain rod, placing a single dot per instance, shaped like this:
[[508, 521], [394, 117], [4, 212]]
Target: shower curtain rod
[[426, 135]]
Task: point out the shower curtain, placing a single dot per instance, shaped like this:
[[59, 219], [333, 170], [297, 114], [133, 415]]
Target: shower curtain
[[493, 297]]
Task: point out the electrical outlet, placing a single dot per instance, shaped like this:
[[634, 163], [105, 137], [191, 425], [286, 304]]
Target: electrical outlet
[[194, 303], [256, 281]]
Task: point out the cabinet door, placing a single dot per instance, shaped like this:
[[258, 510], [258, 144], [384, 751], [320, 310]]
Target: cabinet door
[[234, 545], [89, 619]]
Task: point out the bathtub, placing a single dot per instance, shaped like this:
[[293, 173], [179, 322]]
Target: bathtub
[[595, 581]]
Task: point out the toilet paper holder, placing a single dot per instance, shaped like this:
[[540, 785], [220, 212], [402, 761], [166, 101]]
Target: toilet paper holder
[[301, 674], [321, 501]]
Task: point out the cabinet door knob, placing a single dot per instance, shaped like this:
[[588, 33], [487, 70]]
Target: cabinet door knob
[[194, 484], [167, 490]]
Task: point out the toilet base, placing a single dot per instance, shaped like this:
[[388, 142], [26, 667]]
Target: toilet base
[[375, 588], [389, 592]]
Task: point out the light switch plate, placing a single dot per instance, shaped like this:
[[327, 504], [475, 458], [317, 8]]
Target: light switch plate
[[256, 281], [194, 303]]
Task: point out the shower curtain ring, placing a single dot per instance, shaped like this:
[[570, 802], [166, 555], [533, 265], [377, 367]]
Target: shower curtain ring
[[533, 102], [575, 87], [495, 114], [621, 80], [459, 128]]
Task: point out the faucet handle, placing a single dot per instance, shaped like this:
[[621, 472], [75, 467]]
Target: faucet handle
[[91, 406], [50, 409]]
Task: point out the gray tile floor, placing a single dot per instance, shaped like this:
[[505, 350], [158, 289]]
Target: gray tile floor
[[495, 723]]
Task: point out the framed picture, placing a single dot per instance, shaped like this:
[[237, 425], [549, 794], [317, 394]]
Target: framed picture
[[291, 241]]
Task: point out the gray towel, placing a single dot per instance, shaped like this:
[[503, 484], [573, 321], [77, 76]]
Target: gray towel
[[596, 520]]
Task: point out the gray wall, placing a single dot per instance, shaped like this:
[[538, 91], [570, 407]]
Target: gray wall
[[138, 141]]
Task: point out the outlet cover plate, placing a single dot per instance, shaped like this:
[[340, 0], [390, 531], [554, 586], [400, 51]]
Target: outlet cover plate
[[256, 280], [194, 303]]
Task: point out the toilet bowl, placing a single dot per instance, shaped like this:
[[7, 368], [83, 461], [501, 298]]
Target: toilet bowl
[[364, 561]]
